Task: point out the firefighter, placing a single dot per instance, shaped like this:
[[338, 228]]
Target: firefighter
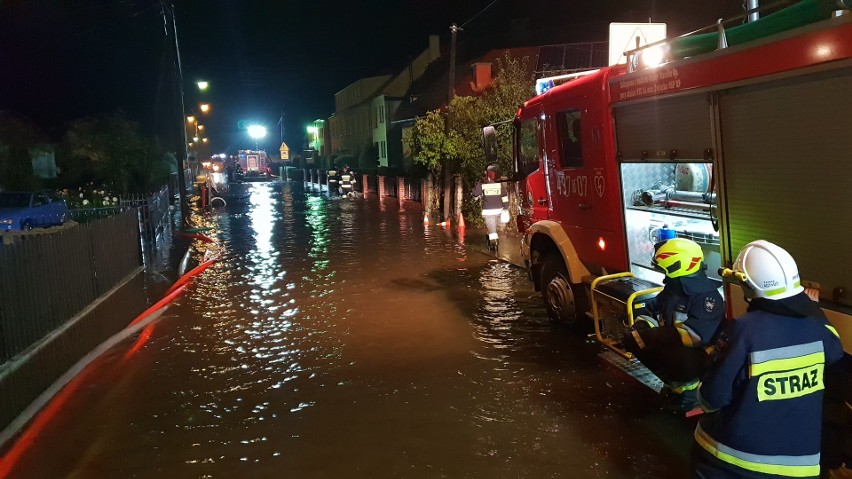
[[495, 200], [333, 180], [673, 341], [764, 392], [347, 181]]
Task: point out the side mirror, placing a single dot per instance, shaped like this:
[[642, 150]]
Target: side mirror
[[489, 144]]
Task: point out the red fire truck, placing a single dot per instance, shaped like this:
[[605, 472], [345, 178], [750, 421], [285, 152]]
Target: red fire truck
[[736, 135], [253, 162]]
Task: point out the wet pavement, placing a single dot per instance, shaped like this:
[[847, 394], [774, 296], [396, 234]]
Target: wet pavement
[[342, 338]]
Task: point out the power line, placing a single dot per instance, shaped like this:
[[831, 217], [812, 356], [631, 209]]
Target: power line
[[478, 14]]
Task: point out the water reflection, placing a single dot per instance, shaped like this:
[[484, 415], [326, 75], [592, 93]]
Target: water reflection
[[336, 340]]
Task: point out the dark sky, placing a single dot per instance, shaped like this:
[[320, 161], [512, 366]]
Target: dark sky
[[61, 60]]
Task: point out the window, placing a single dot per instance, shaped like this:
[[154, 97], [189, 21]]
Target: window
[[570, 146], [527, 147]]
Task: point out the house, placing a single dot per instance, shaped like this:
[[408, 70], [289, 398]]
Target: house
[[365, 108]]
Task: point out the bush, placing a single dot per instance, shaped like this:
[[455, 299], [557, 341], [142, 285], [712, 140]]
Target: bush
[[89, 197]]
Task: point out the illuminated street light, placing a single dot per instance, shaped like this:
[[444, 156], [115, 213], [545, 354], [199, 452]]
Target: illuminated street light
[[313, 130], [257, 132], [200, 127], [205, 107], [202, 85], [190, 119]]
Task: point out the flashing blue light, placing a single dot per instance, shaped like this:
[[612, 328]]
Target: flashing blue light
[[542, 85]]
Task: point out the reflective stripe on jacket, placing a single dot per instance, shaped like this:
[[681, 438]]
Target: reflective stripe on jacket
[[494, 198], [766, 393]]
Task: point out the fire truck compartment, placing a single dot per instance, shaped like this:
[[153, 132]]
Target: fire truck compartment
[[664, 200]]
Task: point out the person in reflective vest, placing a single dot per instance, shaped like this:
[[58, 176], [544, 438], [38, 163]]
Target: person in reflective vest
[[347, 181], [495, 200], [763, 395], [674, 338], [333, 181]]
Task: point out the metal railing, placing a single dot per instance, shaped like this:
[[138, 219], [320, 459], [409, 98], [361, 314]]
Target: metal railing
[[152, 212], [413, 190], [46, 278], [390, 186], [372, 185]]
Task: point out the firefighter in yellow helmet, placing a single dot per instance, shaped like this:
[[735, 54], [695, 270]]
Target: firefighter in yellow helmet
[[764, 393], [683, 320]]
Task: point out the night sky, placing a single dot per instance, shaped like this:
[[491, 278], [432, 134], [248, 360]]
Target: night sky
[[61, 60]]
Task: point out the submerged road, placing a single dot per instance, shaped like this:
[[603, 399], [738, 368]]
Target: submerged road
[[343, 338]]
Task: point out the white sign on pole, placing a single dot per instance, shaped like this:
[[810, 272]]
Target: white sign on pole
[[622, 38]]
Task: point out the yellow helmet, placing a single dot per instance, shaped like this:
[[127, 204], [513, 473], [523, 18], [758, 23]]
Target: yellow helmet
[[678, 257]]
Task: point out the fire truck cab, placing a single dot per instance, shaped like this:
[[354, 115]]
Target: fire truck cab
[[725, 142]]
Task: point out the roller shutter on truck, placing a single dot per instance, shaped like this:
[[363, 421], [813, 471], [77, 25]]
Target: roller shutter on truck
[[666, 177], [787, 153], [655, 128]]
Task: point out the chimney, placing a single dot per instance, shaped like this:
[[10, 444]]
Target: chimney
[[481, 73]]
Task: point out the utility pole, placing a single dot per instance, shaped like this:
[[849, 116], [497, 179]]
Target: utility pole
[[281, 125], [450, 95], [180, 153]]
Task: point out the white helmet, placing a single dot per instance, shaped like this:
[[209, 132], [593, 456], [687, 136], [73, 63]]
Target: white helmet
[[770, 272]]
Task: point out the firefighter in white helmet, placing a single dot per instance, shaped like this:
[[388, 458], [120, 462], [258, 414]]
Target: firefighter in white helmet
[[684, 320], [764, 392]]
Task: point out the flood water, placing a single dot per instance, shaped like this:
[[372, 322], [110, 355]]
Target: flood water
[[345, 339]]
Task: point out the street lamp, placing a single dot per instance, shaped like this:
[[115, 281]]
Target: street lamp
[[257, 132], [202, 85], [204, 107], [314, 131]]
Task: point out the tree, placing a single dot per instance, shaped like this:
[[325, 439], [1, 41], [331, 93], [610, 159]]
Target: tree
[[368, 159], [513, 85], [458, 149], [17, 137], [111, 150]]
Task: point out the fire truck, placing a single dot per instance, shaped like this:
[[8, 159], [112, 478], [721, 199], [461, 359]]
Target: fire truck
[[253, 162], [721, 137]]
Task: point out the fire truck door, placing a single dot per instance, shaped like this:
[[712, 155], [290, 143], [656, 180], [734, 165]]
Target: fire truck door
[[532, 166], [577, 182]]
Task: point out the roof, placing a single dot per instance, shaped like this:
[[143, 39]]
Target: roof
[[430, 92]]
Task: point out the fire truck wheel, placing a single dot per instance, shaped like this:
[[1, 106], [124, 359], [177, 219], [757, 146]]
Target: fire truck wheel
[[557, 291]]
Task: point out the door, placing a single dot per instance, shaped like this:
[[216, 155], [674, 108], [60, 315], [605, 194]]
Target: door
[[534, 198]]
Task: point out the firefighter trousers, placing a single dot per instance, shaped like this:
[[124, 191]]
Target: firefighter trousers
[[662, 351]]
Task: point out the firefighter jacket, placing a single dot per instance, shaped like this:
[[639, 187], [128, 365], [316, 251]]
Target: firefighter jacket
[[333, 177], [693, 305], [766, 392], [347, 178], [494, 197]]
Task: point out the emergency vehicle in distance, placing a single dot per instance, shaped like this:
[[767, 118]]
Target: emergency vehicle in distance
[[720, 144], [253, 162]]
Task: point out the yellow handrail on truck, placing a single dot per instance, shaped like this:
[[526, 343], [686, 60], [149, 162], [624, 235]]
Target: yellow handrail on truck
[[615, 343]]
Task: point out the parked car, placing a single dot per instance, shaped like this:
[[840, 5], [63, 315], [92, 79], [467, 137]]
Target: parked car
[[27, 210]]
